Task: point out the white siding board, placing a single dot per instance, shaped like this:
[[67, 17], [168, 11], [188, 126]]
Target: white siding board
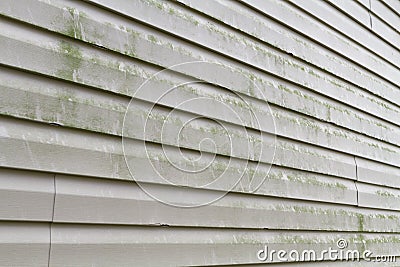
[[26, 196], [24, 244], [371, 172], [83, 245], [378, 197]]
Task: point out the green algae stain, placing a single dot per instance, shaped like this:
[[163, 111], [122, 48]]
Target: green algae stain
[[385, 193], [152, 38], [132, 37], [360, 222], [72, 59], [73, 26]]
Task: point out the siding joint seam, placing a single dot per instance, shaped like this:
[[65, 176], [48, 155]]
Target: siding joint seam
[[369, 13], [356, 181], [52, 217]]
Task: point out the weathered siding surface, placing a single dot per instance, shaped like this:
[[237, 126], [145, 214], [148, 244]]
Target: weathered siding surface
[[330, 71]]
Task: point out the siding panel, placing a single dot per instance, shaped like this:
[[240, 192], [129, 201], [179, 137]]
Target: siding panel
[[83, 245], [24, 244], [26, 196]]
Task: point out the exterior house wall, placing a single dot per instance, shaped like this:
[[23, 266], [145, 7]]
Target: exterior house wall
[[307, 91]]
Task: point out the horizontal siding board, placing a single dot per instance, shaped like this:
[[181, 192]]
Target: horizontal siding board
[[378, 197], [127, 246], [26, 196], [114, 202], [24, 244], [371, 172]]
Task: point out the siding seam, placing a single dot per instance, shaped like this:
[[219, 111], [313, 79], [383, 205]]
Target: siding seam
[[369, 14], [52, 217], [356, 181]]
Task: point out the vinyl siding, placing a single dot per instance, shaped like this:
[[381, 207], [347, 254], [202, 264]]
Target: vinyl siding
[[330, 134]]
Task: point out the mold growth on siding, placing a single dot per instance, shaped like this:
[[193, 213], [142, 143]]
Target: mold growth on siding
[[173, 11], [314, 181], [384, 193], [72, 58], [130, 46], [74, 27]]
